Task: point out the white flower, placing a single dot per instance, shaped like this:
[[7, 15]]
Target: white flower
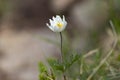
[[57, 24]]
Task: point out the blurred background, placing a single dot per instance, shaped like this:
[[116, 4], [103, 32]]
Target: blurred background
[[25, 39]]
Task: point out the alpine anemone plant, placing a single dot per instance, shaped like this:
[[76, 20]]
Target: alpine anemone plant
[[58, 24]]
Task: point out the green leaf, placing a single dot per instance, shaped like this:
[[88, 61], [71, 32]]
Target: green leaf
[[56, 65], [72, 60], [42, 76], [116, 22], [42, 67]]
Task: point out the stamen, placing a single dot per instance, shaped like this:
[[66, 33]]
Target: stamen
[[59, 25]]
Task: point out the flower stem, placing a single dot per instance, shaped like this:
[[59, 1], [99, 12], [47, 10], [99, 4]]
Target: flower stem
[[61, 46], [64, 77]]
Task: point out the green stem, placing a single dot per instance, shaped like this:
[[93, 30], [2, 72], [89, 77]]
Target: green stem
[[61, 47], [64, 77]]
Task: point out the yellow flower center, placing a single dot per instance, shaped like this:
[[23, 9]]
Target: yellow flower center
[[59, 25]]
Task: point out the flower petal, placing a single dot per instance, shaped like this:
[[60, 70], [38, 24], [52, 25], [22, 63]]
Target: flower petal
[[58, 18], [54, 18], [51, 22], [47, 24], [54, 23]]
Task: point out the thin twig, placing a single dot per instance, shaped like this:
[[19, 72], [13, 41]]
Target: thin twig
[[108, 55], [81, 66], [90, 53], [85, 56], [110, 68]]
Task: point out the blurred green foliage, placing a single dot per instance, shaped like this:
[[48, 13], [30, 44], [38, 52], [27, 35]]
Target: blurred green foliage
[[115, 14], [3, 4]]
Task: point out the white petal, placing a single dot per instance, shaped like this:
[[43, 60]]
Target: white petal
[[51, 27], [58, 18], [51, 22], [54, 18], [63, 18], [54, 21], [65, 23], [57, 29], [47, 24]]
